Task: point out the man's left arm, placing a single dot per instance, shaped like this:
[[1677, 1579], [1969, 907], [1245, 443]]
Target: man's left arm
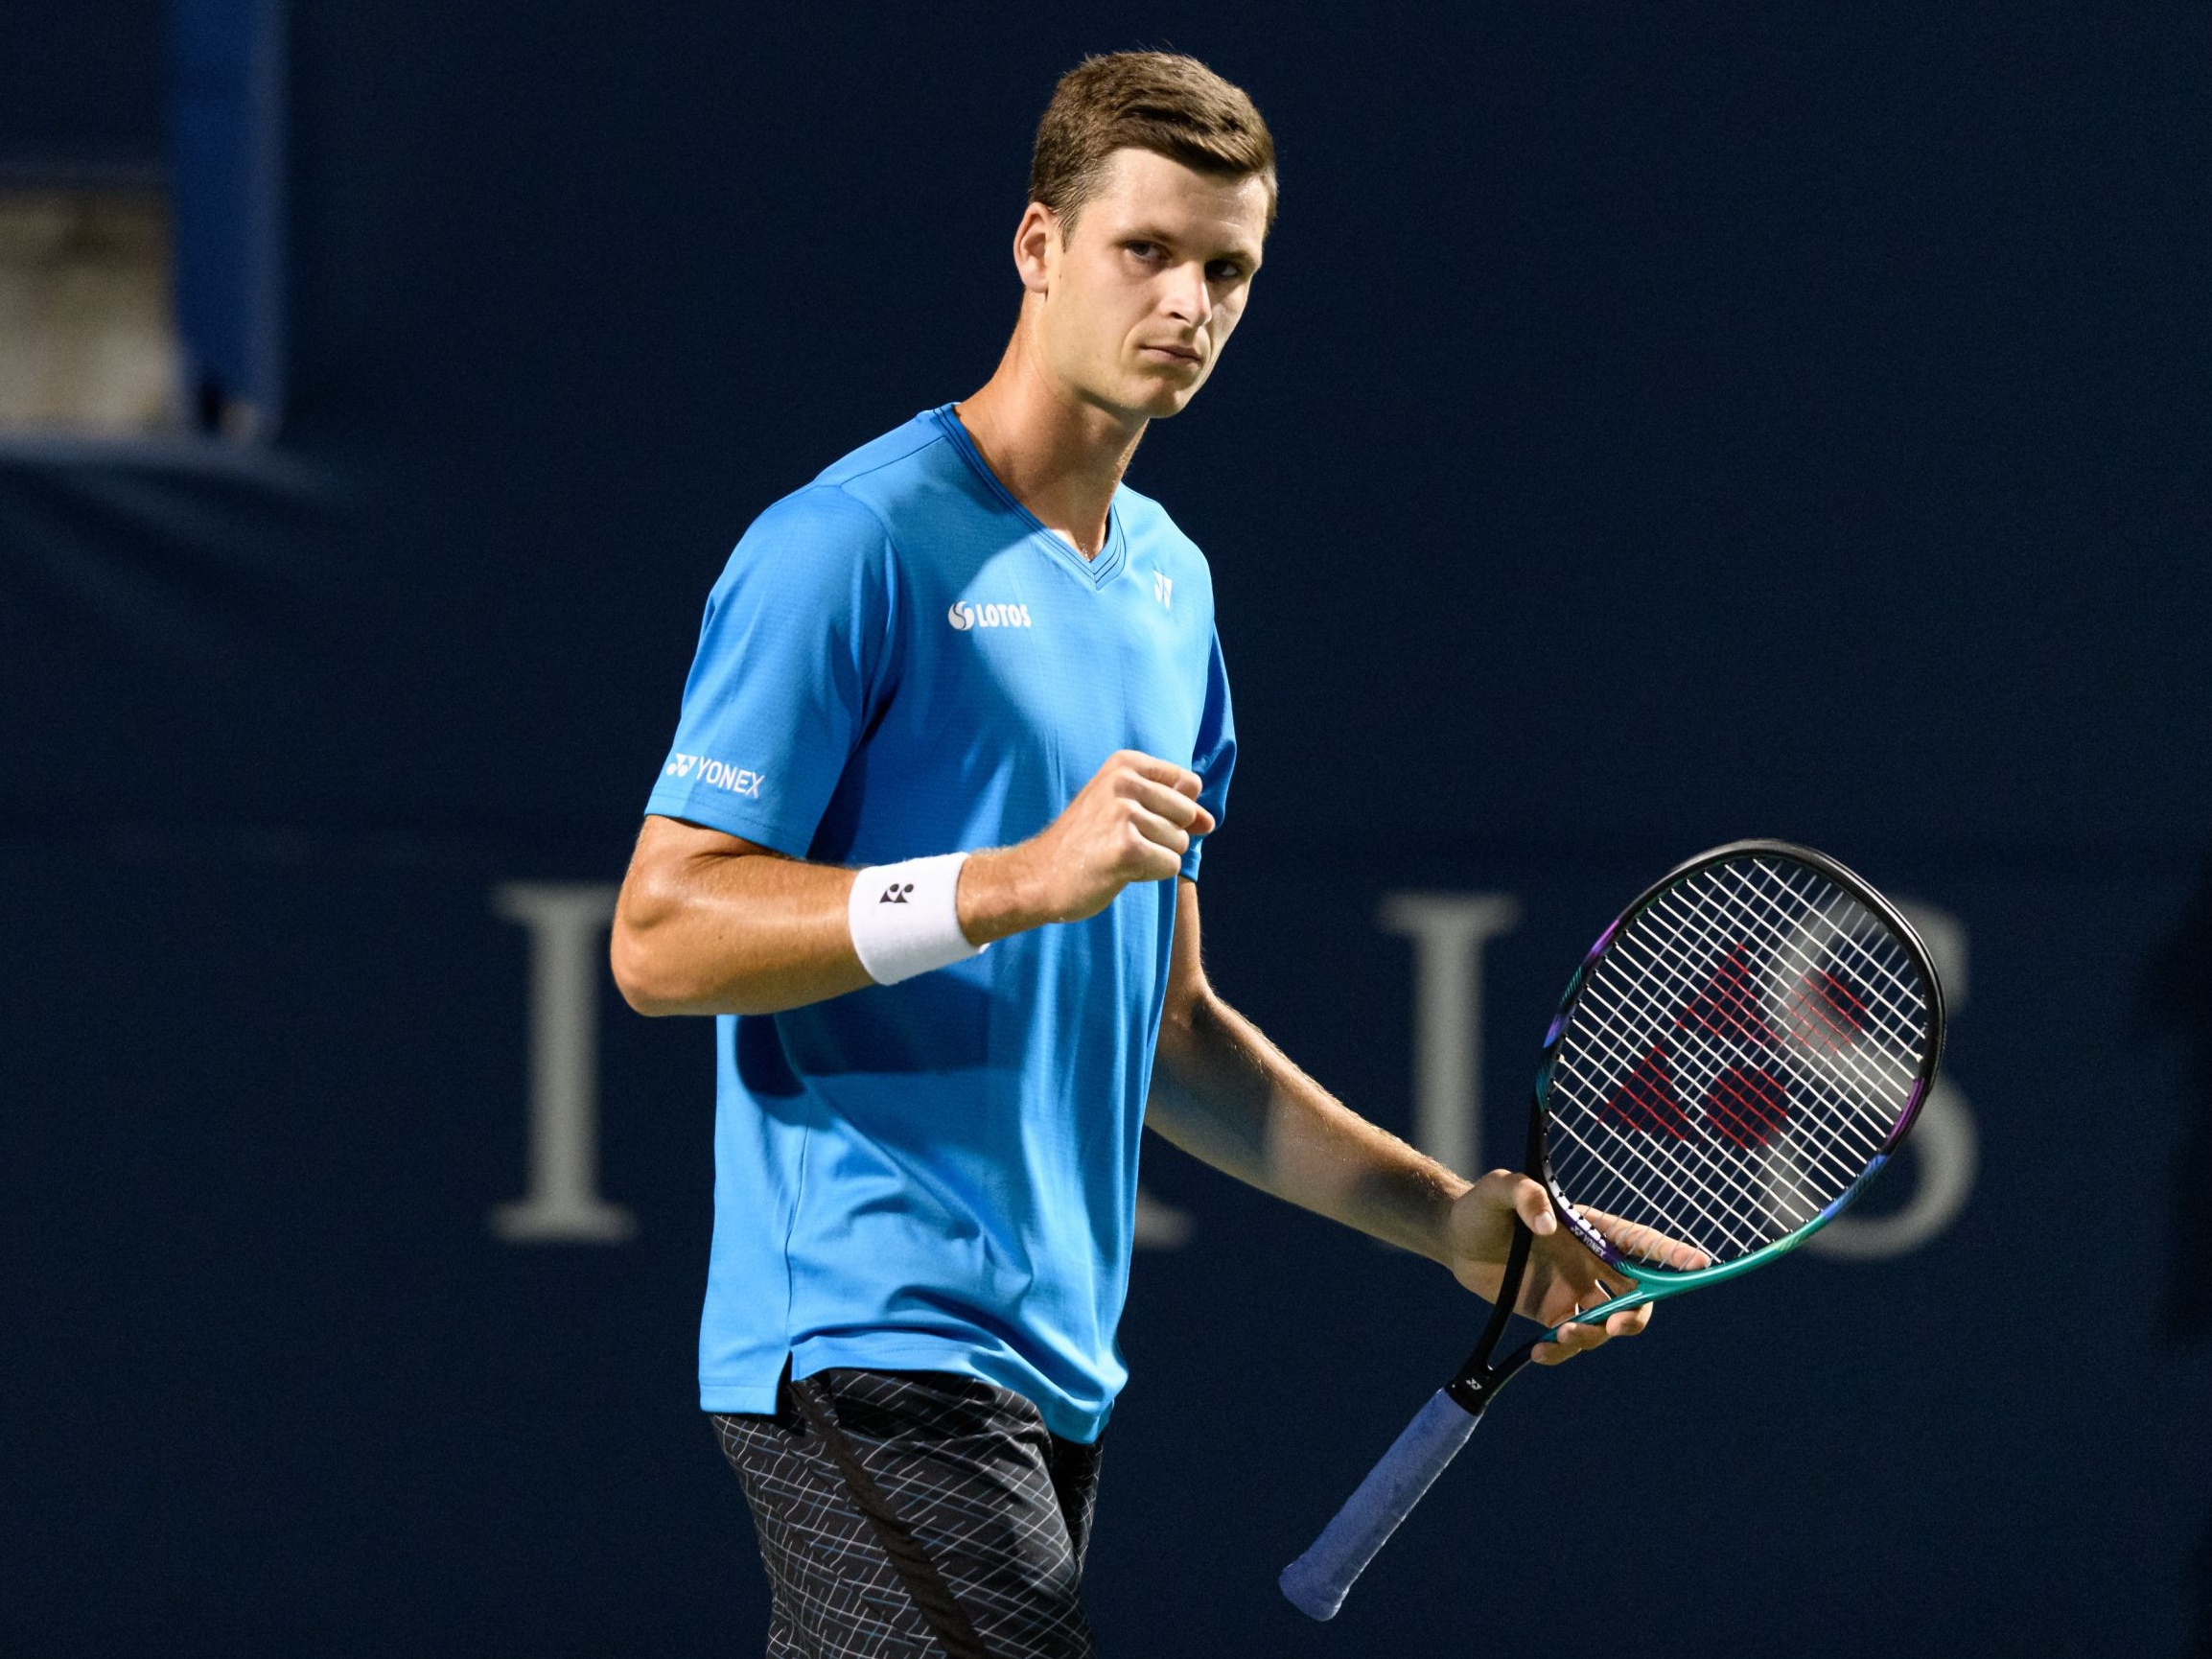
[[1227, 1095]]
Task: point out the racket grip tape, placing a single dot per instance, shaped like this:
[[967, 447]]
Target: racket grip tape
[[1317, 1582]]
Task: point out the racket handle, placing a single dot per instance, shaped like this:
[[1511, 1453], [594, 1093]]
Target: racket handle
[[1317, 1582]]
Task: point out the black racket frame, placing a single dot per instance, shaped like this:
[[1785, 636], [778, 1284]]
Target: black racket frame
[[1477, 1381]]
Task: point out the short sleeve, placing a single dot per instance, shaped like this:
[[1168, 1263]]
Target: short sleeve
[[1214, 756], [792, 658]]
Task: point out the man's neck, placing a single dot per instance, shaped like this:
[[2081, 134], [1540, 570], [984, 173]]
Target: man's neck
[[1061, 457]]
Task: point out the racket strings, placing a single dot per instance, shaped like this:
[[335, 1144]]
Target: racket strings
[[1738, 1057], [1649, 1188], [1742, 1205], [1660, 1168], [1724, 1075], [1864, 1088], [1873, 1068], [1716, 1053], [1682, 1187], [1863, 1078], [1655, 1170], [1860, 1098], [1894, 982]]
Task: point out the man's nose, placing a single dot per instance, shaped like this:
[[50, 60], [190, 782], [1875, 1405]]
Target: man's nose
[[1190, 296]]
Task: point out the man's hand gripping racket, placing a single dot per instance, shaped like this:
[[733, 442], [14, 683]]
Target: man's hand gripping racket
[[1736, 1056]]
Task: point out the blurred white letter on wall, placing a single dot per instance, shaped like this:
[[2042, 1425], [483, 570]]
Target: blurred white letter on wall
[[1448, 931], [567, 923]]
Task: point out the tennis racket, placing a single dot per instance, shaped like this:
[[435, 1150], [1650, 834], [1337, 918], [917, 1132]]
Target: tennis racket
[[1736, 1056]]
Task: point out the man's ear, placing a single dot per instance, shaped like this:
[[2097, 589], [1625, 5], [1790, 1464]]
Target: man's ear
[[1035, 246]]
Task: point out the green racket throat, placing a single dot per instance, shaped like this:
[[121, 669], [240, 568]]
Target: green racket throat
[[1479, 1381], [1656, 1284]]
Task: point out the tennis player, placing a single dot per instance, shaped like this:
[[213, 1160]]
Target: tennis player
[[928, 844]]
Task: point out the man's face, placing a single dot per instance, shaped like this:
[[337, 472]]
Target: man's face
[[1140, 298]]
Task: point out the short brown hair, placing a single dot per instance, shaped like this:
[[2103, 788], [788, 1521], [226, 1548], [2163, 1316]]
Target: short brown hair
[[1159, 101]]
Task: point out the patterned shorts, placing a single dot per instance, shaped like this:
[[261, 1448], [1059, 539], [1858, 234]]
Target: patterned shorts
[[916, 1515]]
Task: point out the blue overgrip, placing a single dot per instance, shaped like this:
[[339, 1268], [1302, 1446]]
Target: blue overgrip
[[1317, 1582]]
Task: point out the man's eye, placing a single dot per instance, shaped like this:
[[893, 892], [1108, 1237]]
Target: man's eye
[[1225, 271], [1143, 250]]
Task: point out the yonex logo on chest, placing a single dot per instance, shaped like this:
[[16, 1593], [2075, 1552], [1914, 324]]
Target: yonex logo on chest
[[964, 615]]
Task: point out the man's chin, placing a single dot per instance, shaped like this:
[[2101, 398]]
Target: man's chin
[[1168, 397], [1145, 397]]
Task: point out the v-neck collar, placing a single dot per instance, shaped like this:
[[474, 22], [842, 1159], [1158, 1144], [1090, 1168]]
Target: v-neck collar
[[1098, 571]]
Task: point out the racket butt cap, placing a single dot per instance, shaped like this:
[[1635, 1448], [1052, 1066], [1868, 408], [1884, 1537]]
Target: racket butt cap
[[1307, 1590]]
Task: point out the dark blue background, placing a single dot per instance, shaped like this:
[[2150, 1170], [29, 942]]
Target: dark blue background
[[1648, 430]]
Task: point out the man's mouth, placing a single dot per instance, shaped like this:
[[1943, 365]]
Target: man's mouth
[[1174, 353]]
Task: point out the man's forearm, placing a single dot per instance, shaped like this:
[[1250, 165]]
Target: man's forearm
[[704, 929], [712, 923], [710, 933], [1226, 1094]]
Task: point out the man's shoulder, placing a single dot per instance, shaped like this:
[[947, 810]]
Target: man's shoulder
[[885, 463], [856, 502], [910, 478]]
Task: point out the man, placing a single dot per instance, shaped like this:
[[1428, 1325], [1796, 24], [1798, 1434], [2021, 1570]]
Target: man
[[969, 661]]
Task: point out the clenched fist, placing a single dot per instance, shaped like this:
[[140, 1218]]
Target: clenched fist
[[1133, 822]]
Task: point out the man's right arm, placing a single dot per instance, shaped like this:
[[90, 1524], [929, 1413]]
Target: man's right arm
[[713, 924]]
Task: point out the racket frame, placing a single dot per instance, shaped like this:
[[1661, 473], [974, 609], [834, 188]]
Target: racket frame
[[1477, 1381], [1318, 1581]]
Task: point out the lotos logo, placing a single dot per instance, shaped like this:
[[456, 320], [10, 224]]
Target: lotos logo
[[737, 780], [964, 615]]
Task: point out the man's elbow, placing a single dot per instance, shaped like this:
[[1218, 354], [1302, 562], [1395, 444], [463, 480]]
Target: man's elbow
[[1188, 1018], [642, 973]]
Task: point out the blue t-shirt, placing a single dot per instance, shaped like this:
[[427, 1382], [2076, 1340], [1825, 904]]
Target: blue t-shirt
[[940, 1174]]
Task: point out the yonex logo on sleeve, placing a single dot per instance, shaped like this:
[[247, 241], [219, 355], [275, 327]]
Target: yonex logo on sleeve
[[964, 615], [1164, 590], [720, 774]]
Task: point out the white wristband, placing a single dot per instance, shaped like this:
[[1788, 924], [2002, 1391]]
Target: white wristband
[[905, 918]]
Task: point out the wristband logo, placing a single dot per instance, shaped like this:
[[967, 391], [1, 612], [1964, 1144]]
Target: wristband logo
[[964, 615], [718, 774]]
